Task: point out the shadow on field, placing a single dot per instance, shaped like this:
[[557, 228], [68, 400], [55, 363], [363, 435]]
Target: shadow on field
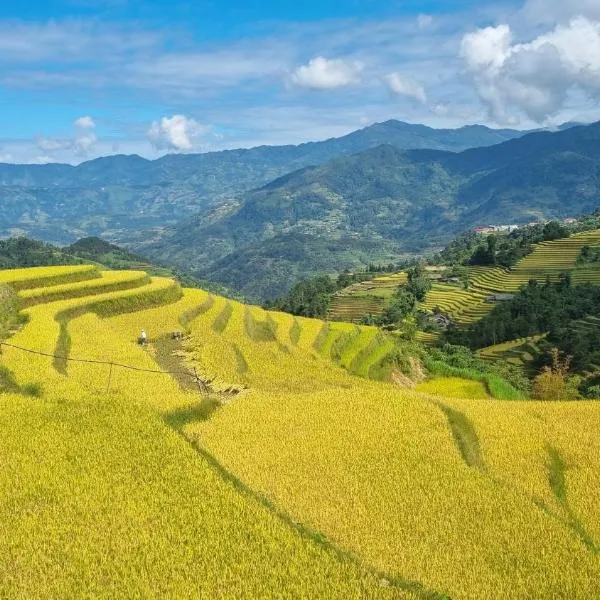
[[465, 437], [178, 420], [558, 485]]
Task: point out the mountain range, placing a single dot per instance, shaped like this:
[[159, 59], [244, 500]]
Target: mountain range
[[123, 196], [258, 220], [382, 203]]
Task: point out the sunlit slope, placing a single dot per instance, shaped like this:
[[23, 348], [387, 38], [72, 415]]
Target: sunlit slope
[[109, 502], [126, 509], [107, 281], [346, 487], [22, 279], [460, 497]]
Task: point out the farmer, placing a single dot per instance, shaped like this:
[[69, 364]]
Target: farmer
[[143, 338]]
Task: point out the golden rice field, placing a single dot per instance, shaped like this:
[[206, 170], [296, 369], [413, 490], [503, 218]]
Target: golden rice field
[[309, 483], [453, 387]]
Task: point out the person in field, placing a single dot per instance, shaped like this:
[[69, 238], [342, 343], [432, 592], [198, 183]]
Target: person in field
[[143, 338]]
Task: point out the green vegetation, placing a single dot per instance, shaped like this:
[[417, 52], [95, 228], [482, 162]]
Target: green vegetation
[[406, 297], [589, 254], [383, 204], [502, 381], [549, 308]]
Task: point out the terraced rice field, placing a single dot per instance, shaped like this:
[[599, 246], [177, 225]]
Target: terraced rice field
[[365, 298], [548, 259], [460, 305], [516, 352], [429, 339], [292, 479]]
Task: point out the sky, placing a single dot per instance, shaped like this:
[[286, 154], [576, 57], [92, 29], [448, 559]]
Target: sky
[[86, 78]]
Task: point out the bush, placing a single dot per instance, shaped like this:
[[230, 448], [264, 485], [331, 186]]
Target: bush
[[34, 390], [551, 383]]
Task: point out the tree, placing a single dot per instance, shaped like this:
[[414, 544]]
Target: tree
[[399, 308], [554, 231], [418, 283], [551, 383], [492, 244]]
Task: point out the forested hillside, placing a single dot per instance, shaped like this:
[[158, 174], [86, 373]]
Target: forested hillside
[[383, 203], [119, 197]]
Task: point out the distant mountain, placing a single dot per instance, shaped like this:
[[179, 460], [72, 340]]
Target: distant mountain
[[381, 203], [120, 197]]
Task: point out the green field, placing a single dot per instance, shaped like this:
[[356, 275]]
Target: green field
[[364, 298], [271, 461]]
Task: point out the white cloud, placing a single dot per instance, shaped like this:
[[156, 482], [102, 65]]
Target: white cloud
[[533, 78], [324, 74], [176, 133], [406, 86], [85, 123], [81, 144], [424, 21], [51, 145], [84, 143]]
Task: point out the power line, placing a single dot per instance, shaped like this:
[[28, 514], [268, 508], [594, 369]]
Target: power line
[[194, 375]]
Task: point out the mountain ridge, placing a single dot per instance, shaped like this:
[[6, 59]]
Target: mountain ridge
[[392, 201]]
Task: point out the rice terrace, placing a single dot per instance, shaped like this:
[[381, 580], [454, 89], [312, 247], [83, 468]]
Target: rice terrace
[[300, 300], [302, 472]]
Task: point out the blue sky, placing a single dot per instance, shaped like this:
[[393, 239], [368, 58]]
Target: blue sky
[[85, 78]]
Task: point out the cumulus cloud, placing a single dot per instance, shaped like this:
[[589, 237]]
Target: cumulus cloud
[[82, 143], [406, 86], [85, 123], [85, 140], [324, 74], [533, 78], [176, 133]]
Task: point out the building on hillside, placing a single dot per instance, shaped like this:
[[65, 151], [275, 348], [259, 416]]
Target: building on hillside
[[494, 298], [484, 229], [488, 229]]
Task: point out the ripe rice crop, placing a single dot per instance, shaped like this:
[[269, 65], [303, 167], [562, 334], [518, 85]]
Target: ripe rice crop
[[109, 281], [382, 472], [32, 277], [453, 387], [313, 483]]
